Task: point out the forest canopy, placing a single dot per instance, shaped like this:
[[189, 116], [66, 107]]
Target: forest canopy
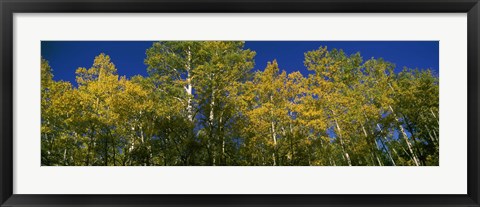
[[202, 104]]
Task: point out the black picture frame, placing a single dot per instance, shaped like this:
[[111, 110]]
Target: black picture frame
[[9, 7]]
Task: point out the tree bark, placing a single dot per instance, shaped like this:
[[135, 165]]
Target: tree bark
[[372, 145], [385, 148], [65, 156], [409, 145], [274, 134], [346, 155], [436, 119], [189, 88]]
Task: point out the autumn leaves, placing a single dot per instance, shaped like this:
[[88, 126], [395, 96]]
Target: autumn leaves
[[201, 104]]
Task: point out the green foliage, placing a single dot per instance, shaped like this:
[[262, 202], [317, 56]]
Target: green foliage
[[202, 105]]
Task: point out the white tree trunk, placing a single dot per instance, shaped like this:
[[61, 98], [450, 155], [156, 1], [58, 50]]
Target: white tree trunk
[[189, 88], [274, 134], [385, 148], [346, 155], [211, 119], [223, 142], [373, 154], [189, 99], [436, 119], [410, 147], [65, 156], [212, 105]]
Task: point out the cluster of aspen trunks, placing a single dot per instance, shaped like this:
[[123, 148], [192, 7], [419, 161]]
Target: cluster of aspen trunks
[[202, 104]]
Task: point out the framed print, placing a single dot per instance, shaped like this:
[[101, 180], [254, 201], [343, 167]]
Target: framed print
[[238, 103]]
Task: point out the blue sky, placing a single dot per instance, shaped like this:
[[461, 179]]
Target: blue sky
[[66, 56]]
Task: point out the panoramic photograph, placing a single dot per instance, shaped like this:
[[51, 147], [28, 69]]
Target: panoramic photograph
[[239, 103]]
